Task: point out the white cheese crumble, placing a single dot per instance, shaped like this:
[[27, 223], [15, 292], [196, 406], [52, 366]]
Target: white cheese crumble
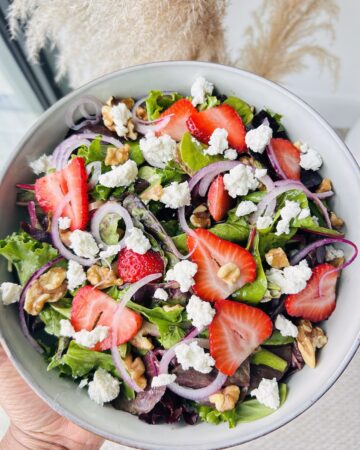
[[158, 151], [122, 175], [163, 379], [66, 329], [90, 338], [199, 312], [310, 159], [137, 241], [292, 279], [285, 326], [42, 165], [305, 212], [161, 294], [267, 393], [218, 142], [183, 272], [240, 180], [176, 195], [83, 244], [259, 173], [257, 139], [83, 383], [245, 207], [263, 222], [104, 387], [10, 292], [120, 114], [287, 213], [332, 253], [75, 275], [199, 89], [231, 154], [192, 355], [315, 220], [110, 250], [64, 223]]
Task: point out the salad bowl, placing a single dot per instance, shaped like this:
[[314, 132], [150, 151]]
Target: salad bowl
[[342, 328]]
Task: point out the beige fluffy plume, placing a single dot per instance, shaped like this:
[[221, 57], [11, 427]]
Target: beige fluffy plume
[[95, 37]]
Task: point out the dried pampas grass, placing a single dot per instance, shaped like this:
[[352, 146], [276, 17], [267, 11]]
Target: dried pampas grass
[[284, 35], [95, 37]]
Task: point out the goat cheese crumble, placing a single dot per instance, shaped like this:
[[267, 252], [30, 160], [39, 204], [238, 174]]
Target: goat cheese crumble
[[192, 355], [161, 294], [292, 279], [64, 223], [120, 115], [263, 222], [163, 379], [137, 241], [199, 312], [83, 383], [183, 272], [10, 292], [245, 207], [109, 251], [240, 180], [218, 142], [332, 253], [287, 213], [122, 175], [231, 154], [83, 244], [66, 329], [42, 165], [176, 195], [285, 326], [104, 387], [158, 151], [310, 159], [257, 139], [267, 393], [75, 275], [199, 89], [91, 338]]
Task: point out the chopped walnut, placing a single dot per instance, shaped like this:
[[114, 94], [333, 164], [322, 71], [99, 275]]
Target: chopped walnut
[[141, 113], [140, 340], [308, 340], [325, 186], [336, 221], [136, 370], [337, 262], [48, 288], [226, 399], [115, 156], [230, 273], [247, 160], [276, 257], [131, 134], [108, 120], [65, 237], [200, 217], [102, 277], [153, 192]]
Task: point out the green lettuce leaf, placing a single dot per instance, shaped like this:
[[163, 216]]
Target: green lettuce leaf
[[277, 117], [278, 339], [263, 357], [26, 254], [242, 108], [210, 102], [135, 152], [52, 313], [247, 411], [94, 152], [192, 154], [157, 102]]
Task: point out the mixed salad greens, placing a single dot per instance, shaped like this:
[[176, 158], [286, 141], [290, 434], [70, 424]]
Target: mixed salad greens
[[178, 256]]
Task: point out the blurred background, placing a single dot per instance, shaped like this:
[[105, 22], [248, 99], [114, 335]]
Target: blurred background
[[48, 48]]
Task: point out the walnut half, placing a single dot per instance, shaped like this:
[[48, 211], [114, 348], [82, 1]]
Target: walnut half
[[136, 369], [140, 340], [200, 217], [102, 277], [276, 257], [225, 399], [308, 340], [115, 156]]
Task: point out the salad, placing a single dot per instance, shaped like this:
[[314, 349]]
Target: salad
[[179, 256]]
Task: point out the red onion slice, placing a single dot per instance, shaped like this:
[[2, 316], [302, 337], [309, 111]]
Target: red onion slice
[[62, 152], [115, 323], [274, 161], [23, 324], [80, 104], [95, 168], [323, 195], [87, 134], [144, 126], [188, 393], [57, 242]]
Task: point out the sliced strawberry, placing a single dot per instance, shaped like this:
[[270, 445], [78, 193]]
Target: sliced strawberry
[[219, 200], [52, 188], [133, 266], [288, 157], [176, 127], [308, 303], [92, 307], [202, 124], [210, 253], [236, 331]]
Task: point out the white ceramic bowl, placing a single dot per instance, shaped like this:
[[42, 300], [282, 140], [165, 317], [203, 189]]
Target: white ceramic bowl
[[343, 327]]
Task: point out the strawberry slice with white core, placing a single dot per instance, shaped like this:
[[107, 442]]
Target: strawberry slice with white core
[[236, 331], [288, 157], [223, 267]]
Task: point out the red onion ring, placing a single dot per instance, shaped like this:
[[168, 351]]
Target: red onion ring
[[90, 119], [63, 151], [57, 242], [144, 126], [115, 323], [96, 165], [29, 282], [323, 195], [87, 134], [188, 393]]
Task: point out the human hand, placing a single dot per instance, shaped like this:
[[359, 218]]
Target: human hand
[[34, 425]]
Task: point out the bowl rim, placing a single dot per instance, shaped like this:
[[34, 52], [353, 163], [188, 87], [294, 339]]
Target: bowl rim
[[200, 65]]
